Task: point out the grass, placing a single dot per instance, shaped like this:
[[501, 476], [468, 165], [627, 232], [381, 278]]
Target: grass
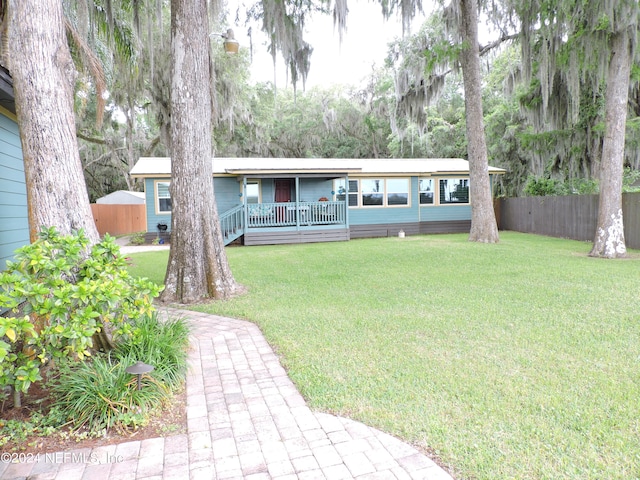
[[516, 360]]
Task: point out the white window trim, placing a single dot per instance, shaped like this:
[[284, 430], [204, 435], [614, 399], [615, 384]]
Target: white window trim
[[436, 197], [157, 198], [384, 192], [387, 192], [337, 181], [436, 191], [455, 204]]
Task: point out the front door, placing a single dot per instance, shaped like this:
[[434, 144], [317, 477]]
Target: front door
[[283, 190], [283, 194]]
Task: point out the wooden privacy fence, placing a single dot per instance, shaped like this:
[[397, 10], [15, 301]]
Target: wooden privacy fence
[[571, 216], [119, 219]]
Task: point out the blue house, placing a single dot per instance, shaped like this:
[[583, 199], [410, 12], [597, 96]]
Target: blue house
[[291, 200], [14, 225]]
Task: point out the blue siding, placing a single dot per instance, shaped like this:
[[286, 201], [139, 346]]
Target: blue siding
[[441, 213], [383, 215], [311, 189], [226, 190], [152, 217], [14, 224], [268, 190]]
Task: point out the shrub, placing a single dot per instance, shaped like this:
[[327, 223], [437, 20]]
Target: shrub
[[101, 395], [75, 299], [137, 239], [631, 180], [162, 344], [544, 186], [20, 360]]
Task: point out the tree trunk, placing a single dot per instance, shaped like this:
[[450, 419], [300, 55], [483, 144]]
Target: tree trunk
[[609, 239], [483, 219], [198, 267], [17, 398], [43, 79]]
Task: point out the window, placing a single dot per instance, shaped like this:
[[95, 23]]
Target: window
[[372, 192], [454, 190], [341, 191], [397, 191], [426, 188], [163, 197], [353, 193], [253, 191]]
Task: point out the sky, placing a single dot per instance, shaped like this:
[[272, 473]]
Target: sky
[[364, 44]]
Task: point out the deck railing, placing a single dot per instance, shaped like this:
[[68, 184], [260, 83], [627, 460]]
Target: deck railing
[[284, 214], [232, 224]]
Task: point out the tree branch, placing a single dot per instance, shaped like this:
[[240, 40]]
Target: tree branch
[[104, 155], [99, 141], [496, 43]]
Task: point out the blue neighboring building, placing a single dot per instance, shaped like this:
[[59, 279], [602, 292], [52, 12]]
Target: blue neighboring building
[[14, 224], [298, 200]]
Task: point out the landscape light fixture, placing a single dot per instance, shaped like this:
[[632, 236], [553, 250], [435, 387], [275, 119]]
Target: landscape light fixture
[[231, 45], [139, 368]]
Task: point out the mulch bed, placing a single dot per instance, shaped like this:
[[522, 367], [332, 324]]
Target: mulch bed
[[172, 420]]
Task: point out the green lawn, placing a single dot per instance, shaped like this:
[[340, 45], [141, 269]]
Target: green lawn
[[517, 360]]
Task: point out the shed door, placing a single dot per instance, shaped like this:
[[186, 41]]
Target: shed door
[[283, 189]]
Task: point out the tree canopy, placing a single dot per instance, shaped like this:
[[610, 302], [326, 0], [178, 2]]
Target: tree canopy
[[543, 89]]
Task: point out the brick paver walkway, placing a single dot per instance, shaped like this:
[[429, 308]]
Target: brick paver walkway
[[246, 420]]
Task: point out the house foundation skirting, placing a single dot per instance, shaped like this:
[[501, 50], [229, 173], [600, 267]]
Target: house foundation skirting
[[409, 228], [274, 237]]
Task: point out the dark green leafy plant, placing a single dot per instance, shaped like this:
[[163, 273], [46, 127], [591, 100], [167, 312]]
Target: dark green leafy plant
[[631, 180], [543, 186], [19, 359], [101, 395], [162, 344], [67, 300]]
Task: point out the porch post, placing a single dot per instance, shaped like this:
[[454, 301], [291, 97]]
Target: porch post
[[297, 207], [346, 200], [243, 195]]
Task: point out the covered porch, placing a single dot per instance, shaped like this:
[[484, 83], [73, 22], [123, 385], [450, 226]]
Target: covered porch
[[294, 208]]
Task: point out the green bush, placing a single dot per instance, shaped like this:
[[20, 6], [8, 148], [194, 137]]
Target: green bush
[[67, 300], [162, 344], [137, 239], [21, 358], [101, 395], [537, 187], [630, 180]]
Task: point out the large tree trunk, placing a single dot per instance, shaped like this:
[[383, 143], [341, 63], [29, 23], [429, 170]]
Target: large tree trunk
[[198, 267], [43, 79], [483, 219], [609, 239]]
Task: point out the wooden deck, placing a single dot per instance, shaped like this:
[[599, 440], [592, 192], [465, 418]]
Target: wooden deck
[[290, 222]]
